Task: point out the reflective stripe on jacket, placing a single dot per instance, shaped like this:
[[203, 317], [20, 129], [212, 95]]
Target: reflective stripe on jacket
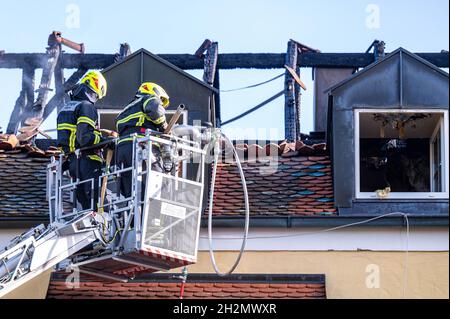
[[77, 126], [141, 114]]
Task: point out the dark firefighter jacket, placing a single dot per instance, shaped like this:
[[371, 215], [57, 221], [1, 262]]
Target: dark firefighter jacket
[[145, 112], [77, 125]]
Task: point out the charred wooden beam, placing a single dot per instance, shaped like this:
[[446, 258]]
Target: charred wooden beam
[[211, 72], [335, 60], [306, 59], [184, 61], [441, 60], [251, 61], [59, 81], [298, 100], [21, 60], [124, 51], [56, 38], [59, 78], [290, 114], [203, 47], [69, 60], [378, 50], [217, 112], [226, 60], [299, 85], [53, 54], [210, 63]]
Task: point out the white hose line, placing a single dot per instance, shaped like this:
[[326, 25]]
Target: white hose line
[[211, 199]]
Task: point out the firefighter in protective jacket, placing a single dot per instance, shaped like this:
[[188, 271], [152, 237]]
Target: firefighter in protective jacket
[[146, 111], [77, 128]]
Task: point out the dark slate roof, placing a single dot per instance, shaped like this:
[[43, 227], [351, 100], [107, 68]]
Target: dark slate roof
[[198, 286], [22, 184]]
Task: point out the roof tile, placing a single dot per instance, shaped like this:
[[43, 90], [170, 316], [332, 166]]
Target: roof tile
[[299, 185], [272, 288], [292, 187], [23, 184]]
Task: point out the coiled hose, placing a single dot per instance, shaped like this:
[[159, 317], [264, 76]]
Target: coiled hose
[[215, 143]]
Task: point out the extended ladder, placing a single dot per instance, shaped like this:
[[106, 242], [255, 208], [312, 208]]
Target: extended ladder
[[32, 253]]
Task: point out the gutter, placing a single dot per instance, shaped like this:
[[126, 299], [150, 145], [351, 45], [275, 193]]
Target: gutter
[[213, 278], [273, 222], [326, 221]]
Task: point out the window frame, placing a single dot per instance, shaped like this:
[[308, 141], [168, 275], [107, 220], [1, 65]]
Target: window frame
[[437, 131], [405, 195]]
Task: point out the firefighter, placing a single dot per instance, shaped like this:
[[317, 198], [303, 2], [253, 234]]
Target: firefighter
[[146, 111], [77, 128]]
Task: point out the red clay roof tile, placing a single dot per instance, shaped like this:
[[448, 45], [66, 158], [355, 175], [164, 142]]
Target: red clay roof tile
[[271, 288], [291, 187], [273, 190]]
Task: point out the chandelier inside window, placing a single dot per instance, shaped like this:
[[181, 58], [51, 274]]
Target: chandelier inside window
[[398, 121]]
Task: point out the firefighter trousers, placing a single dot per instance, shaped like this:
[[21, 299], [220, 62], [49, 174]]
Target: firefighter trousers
[[124, 157], [87, 168]]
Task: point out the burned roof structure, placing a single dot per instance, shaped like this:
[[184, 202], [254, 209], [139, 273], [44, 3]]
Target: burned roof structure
[[299, 182], [305, 165]]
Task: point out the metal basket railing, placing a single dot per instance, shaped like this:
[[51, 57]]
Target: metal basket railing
[[129, 223]]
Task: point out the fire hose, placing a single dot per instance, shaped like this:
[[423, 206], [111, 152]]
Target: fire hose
[[215, 143], [212, 139]]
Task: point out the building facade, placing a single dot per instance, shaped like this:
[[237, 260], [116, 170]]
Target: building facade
[[362, 214]]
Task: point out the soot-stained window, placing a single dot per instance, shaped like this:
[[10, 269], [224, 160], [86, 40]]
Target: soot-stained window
[[401, 154]]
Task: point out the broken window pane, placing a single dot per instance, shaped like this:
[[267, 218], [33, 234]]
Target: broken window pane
[[400, 152]]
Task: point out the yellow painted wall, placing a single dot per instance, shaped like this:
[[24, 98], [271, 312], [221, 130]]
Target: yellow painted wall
[[34, 289], [348, 272]]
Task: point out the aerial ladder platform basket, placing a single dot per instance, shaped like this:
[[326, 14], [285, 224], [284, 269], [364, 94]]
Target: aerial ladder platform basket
[[157, 227]]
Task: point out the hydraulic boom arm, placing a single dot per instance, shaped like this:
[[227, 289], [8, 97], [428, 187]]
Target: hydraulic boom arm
[[29, 255]]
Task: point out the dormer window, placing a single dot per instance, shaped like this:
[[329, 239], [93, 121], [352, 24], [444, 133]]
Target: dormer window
[[388, 135], [401, 154]]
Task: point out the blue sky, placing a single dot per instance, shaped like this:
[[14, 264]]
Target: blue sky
[[238, 26]]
